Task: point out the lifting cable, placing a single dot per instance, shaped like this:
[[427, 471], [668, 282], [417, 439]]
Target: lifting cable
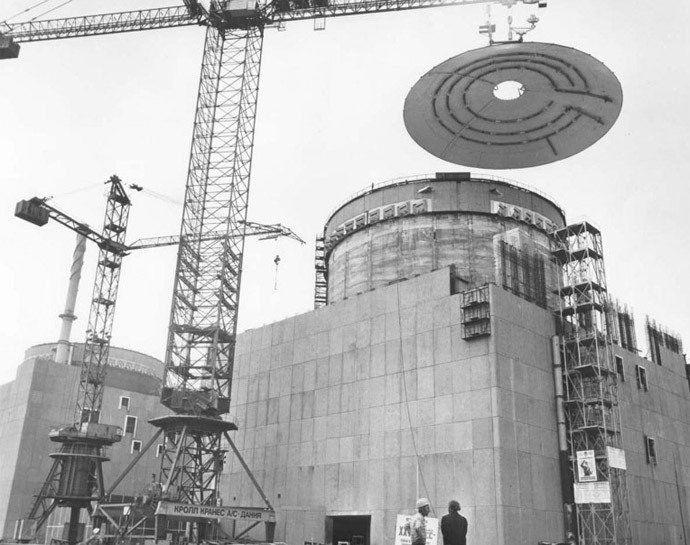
[[51, 10], [420, 472], [34, 7]]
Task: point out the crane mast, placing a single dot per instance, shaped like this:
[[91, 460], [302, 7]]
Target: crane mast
[[76, 475], [85, 434], [111, 251]]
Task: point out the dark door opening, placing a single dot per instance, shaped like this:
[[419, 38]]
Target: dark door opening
[[348, 530]]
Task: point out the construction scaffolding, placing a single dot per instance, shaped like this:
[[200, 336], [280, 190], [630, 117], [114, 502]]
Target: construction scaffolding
[[321, 283], [523, 273], [593, 424]]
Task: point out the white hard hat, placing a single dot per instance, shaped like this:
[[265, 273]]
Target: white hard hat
[[421, 502], [96, 530]]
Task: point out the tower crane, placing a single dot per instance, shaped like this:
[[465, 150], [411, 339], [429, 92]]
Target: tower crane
[[76, 476], [203, 321]]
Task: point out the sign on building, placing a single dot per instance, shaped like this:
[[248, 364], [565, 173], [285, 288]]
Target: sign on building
[[402, 530], [599, 492], [616, 458], [188, 510], [586, 466]]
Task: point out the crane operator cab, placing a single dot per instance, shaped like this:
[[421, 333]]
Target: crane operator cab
[[9, 49]]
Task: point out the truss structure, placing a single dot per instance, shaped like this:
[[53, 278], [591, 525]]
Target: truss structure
[[592, 413], [111, 251], [76, 475], [321, 269]]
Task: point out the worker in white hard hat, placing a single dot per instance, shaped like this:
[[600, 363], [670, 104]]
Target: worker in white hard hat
[[95, 538], [418, 522]]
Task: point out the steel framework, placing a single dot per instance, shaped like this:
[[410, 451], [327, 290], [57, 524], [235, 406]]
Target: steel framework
[[592, 413], [203, 318], [321, 282], [112, 248], [76, 476]]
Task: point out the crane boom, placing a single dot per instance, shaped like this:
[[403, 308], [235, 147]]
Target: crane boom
[[177, 16], [253, 229], [92, 25]]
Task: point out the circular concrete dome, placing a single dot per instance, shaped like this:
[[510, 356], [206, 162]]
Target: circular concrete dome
[[404, 228]]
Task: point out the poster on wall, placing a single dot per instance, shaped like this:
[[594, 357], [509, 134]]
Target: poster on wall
[[586, 466], [402, 530], [592, 492], [616, 458]]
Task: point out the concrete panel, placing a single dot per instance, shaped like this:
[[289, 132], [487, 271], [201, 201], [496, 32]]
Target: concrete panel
[[485, 527], [349, 426], [362, 363], [482, 433], [393, 357], [376, 446], [378, 329], [378, 360], [442, 345], [391, 440], [392, 416], [443, 409], [462, 436], [508, 479], [348, 340], [483, 470], [425, 383], [376, 489], [444, 441], [360, 448], [443, 378], [424, 353]]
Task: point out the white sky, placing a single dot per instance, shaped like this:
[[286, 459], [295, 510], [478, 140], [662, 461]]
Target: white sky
[[329, 123]]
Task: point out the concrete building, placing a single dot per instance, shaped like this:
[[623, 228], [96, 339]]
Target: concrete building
[[42, 397], [430, 372]]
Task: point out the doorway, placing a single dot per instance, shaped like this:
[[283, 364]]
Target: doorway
[[348, 530]]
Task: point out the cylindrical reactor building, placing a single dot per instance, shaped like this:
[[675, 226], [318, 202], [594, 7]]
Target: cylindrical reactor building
[[487, 229]]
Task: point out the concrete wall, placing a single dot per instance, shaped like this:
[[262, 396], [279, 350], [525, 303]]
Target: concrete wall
[[659, 493], [43, 397], [455, 226], [468, 195], [360, 407]]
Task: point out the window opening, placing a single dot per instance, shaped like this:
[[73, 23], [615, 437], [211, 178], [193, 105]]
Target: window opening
[[642, 378], [619, 368], [136, 446], [124, 402], [131, 424], [650, 444]]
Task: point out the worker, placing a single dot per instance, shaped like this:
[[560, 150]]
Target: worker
[[96, 538], [418, 522], [454, 525]]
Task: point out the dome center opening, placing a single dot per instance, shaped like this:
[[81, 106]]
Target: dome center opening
[[509, 90]]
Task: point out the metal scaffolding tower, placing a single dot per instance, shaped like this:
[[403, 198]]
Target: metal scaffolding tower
[[321, 282], [593, 422]]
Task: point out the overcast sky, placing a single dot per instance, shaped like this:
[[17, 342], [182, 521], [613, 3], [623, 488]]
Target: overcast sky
[[329, 123]]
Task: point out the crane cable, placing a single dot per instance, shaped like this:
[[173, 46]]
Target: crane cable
[[34, 7], [51, 9], [420, 471]]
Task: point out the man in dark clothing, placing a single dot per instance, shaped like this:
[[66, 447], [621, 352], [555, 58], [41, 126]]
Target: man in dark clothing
[[454, 526]]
